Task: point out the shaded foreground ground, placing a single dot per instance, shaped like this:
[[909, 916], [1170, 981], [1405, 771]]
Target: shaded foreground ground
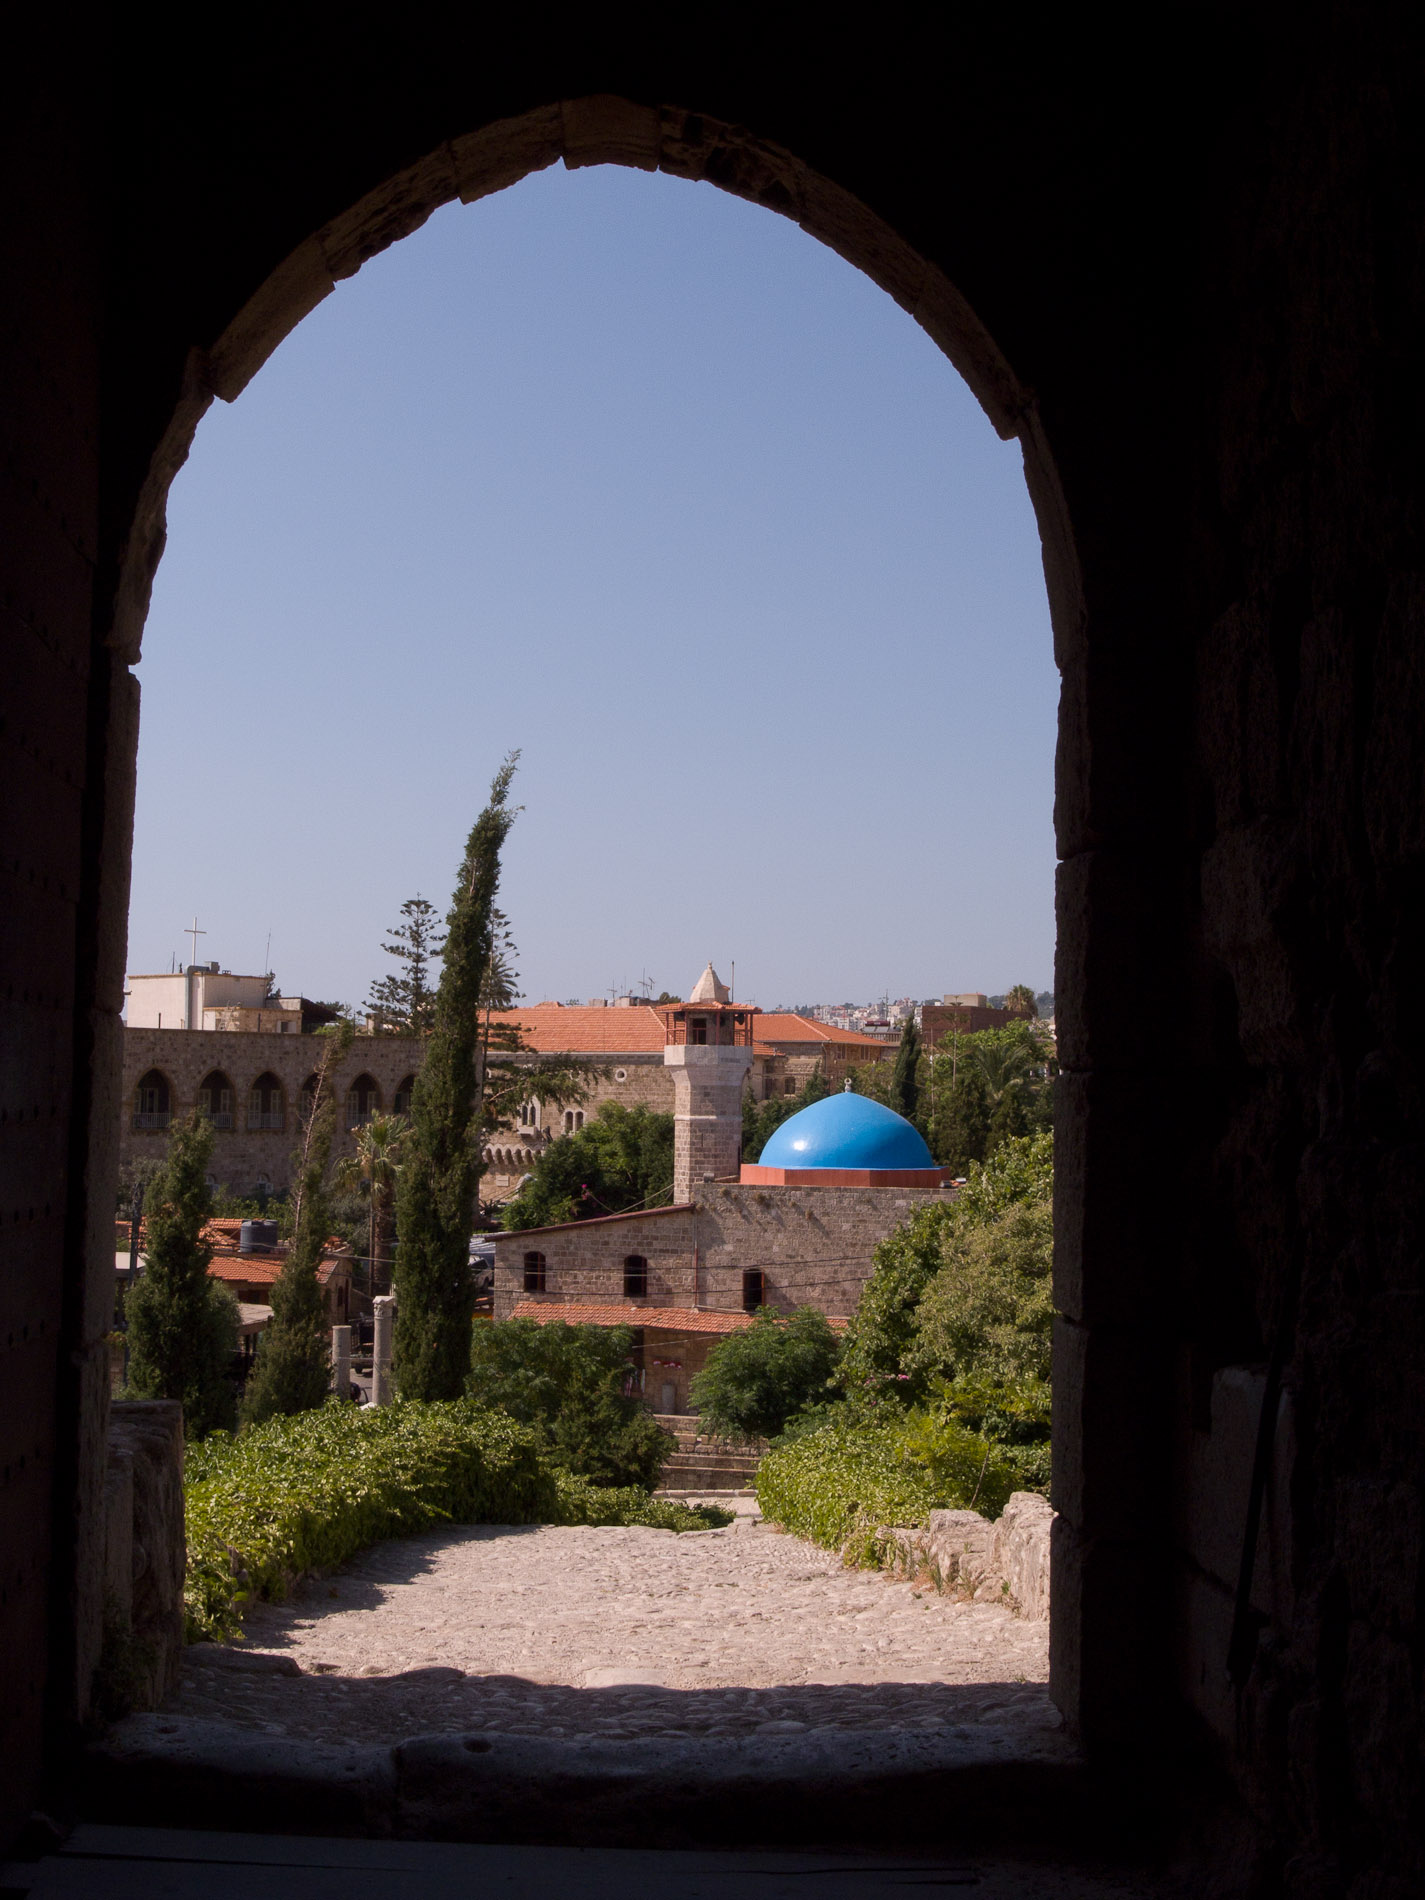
[[617, 1633]]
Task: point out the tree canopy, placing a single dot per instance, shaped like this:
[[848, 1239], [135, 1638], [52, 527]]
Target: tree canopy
[[403, 1002], [182, 1324], [436, 1199], [757, 1380], [622, 1159], [573, 1384]]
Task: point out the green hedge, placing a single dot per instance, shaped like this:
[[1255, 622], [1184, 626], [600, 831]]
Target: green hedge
[[837, 1485], [307, 1492]]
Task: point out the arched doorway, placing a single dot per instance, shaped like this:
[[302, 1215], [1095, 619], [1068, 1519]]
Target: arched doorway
[[216, 1098]]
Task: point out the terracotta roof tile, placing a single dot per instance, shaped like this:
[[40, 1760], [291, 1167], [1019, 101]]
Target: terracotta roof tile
[[559, 1029], [775, 1028], [663, 1319]]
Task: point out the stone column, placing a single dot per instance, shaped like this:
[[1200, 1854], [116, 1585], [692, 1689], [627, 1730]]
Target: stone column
[[384, 1309], [341, 1361]]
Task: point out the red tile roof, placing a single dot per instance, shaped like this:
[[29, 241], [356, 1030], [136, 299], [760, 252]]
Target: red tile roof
[[775, 1028], [567, 1028], [663, 1319]]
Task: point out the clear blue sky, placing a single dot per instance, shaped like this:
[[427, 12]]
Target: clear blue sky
[[644, 481]]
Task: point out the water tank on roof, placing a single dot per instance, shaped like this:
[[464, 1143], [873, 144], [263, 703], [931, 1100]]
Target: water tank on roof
[[257, 1236]]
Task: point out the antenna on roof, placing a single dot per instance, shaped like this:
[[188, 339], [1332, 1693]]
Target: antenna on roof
[[732, 986]]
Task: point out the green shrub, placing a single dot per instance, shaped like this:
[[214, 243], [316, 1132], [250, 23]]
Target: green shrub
[[757, 1380], [836, 1485], [306, 1492], [567, 1384]]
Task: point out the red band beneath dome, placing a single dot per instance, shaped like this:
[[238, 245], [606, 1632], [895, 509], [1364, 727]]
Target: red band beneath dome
[[929, 1178]]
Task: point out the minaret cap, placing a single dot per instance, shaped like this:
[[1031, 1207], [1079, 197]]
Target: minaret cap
[[708, 988]]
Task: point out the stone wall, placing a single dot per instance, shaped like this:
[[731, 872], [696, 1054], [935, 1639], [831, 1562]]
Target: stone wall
[[144, 1553], [242, 1155], [1004, 1560], [814, 1245]]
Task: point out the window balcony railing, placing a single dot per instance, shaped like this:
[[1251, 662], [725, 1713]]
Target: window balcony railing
[[146, 1118], [220, 1117], [265, 1118]]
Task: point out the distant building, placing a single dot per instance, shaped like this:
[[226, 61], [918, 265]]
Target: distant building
[[249, 1059], [797, 1227], [968, 1013]]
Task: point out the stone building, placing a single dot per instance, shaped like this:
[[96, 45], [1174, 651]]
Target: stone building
[[799, 1227], [251, 1085], [253, 1058]]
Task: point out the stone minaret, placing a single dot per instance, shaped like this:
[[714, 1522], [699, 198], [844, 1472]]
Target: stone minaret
[[709, 1051]]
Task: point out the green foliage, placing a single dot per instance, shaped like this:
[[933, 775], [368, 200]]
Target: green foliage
[[306, 1493], [883, 1330], [438, 1191], [182, 1325], [567, 1383], [837, 1485], [959, 1130], [989, 1311], [963, 1289], [757, 1380], [1022, 1000], [620, 1160], [371, 1174], [292, 1372], [904, 1095], [761, 1120], [1015, 1416], [403, 1003]]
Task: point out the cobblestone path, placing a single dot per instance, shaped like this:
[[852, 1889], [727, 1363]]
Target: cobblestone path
[[616, 1632]]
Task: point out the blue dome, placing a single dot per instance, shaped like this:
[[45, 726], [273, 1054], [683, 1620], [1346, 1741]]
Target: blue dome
[[846, 1131]]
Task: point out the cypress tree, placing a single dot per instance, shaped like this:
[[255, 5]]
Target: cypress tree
[[962, 1127], [292, 1373], [440, 1178], [905, 1080], [182, 1325]]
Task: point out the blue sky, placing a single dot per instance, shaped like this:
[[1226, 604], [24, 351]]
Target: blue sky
[[644, 481]]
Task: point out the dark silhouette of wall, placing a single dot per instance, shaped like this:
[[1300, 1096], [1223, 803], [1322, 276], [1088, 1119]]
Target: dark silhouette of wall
[[1187, 273]]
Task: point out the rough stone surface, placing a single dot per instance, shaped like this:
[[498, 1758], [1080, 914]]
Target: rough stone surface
[[617, 1632], [144, 1550]]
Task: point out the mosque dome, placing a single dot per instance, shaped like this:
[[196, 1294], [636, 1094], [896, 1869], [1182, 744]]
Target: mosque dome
[[847, 1132]]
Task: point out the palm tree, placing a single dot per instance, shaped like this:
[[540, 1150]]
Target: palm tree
[[374, 1168], [1021, 1001]]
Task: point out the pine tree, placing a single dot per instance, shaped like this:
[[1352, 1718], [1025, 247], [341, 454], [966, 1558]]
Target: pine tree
[[440, 1179], [404, 1002], [905, 1080], [182, 1324], [292, 1373]]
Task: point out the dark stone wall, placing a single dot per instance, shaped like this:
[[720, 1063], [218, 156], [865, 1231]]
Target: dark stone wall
[[1187, 271]]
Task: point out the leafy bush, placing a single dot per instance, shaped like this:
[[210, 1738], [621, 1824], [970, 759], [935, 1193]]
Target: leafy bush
[[963, 1289], [567, 1384], [1015, 1416], [308, 1491], [836, 1485], [757, 1380]]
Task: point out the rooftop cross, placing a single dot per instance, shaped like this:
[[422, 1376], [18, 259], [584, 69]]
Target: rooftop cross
[[195, 933]]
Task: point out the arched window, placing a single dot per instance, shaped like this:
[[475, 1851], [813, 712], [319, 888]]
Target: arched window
[[536, 1273], [363, 1100], [754, 1289], [153, 1102], [265, 1107], [306, 1098], [529, 1114], [573, 1120], [216, 1097], [635, 1277], [404, 1091]]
